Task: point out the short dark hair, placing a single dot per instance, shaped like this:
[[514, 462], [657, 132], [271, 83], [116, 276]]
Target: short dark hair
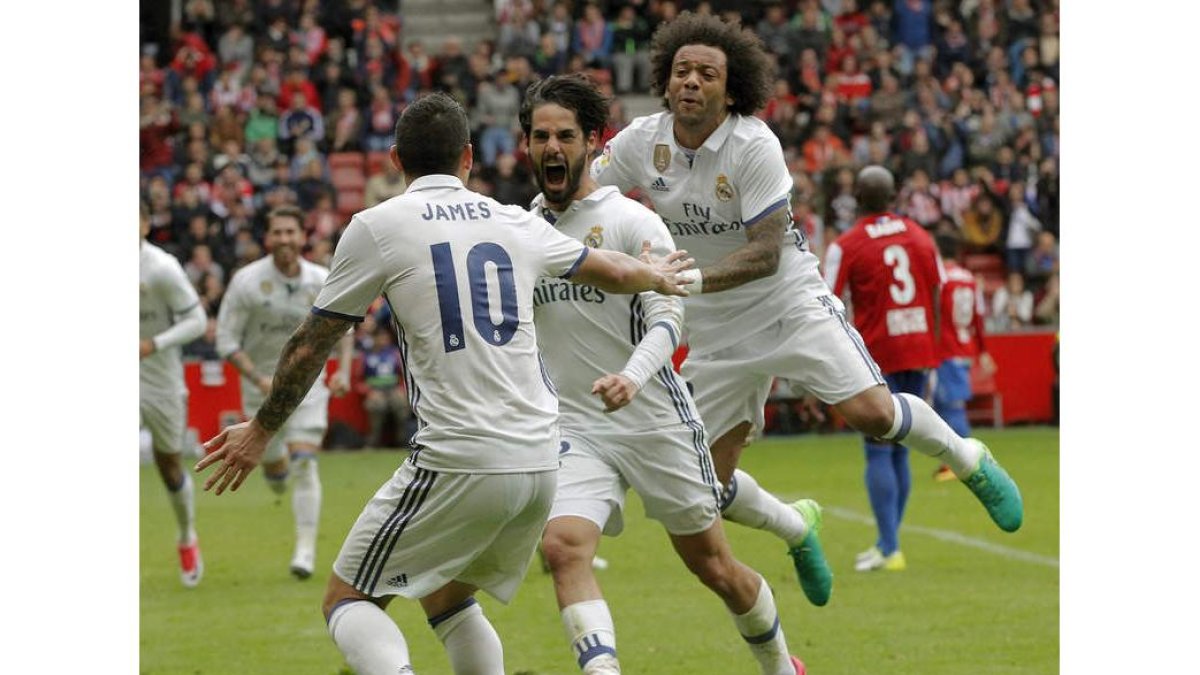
[[431, 134], [948, 245], [286, 211], [750, 71], [574, 92]]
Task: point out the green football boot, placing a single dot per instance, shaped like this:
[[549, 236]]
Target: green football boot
[[996, 490], [809, 559]]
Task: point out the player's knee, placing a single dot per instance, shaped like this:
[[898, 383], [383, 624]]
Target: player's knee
[[871, 412], [562, 550]]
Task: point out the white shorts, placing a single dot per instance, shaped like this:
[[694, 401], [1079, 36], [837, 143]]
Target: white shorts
[[424, 529], [306, 425], [813, 346], [165, 416], [670, 470]]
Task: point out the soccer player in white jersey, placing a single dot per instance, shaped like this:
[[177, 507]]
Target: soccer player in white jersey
[[759, 306], [265, 302], [467, 507], [643, 431], [171, 316]]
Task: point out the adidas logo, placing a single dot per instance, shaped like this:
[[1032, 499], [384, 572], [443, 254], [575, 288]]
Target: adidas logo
[[398, 581], [660, 185]]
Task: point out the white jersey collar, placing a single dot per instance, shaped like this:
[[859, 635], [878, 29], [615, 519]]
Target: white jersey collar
[[713, 143], [435, 180]]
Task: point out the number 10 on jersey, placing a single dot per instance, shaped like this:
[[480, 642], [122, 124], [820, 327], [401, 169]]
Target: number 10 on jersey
[[495, 334]]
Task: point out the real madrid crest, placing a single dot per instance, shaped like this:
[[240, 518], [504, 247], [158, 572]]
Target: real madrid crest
[[595, 238], [724, 189], [266, 287], [662, 157]]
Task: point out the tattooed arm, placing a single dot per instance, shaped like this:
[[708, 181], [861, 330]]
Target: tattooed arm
[[240, 448], [758, 258], [303, 357]]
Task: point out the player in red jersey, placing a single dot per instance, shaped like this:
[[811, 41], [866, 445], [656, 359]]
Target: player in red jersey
[[961, 341], [888, 267]]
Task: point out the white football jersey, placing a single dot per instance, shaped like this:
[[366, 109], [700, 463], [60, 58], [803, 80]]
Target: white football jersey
[[458, 270], [165, 293], [261, 309], [737, 177], [585, 333]]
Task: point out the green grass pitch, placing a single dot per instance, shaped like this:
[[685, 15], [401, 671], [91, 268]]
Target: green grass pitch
[[973, 600]]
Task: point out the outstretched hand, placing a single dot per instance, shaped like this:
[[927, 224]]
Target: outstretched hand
[[239, 449], [671, 270]]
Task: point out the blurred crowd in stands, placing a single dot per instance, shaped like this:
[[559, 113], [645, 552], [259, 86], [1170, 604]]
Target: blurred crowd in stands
[[246, 105]]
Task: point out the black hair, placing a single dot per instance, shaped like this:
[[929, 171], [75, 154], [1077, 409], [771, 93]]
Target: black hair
[[948, 245], [431, 134], [575, 92], [750, 69]]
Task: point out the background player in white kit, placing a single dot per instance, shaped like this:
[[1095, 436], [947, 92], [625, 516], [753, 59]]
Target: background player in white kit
[[170, 317], [467, 507], [645, 433], [264, 304], [759, 307]]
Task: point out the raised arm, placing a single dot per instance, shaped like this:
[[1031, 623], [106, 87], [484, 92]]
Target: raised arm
[[618, 272], [756, 259], [241, 446]]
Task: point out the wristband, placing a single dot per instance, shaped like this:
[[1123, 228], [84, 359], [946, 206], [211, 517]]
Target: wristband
[[693, 281]]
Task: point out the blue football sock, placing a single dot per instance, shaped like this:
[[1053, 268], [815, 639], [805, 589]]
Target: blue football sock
[[883, 490]]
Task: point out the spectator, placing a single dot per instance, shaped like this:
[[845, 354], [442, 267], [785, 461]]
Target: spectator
[[383, 185], [452, 68], [920, 155], [310, 184], [300, 120], [201, 263], [346, 122], [332, 78], [777, 32], [1045, 311], [914, 24], [236, 48], [380, 121], [297, 82], [519, 33], [158, 124], [918, 200], [382, 388], [957, 194], [982, 225], [631, 52], [1043, 259], [593, 37], [496, 118], [1023, 226], [230, 187], [842, 209], [322, 221], [310, 36], [1012, 305], [193, 179], [823, 150], [263, 156], [549, 59], [510, 183], [887, 103], [560, 26]]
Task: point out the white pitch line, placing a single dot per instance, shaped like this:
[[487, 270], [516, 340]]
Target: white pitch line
[[951, 537]]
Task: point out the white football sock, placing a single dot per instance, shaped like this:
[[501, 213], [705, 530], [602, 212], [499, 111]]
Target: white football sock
[[183, 501], [761, 630], [306, 501], [592, 637], [917, 426], [752, 506], [371, 642], [470, 640]]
